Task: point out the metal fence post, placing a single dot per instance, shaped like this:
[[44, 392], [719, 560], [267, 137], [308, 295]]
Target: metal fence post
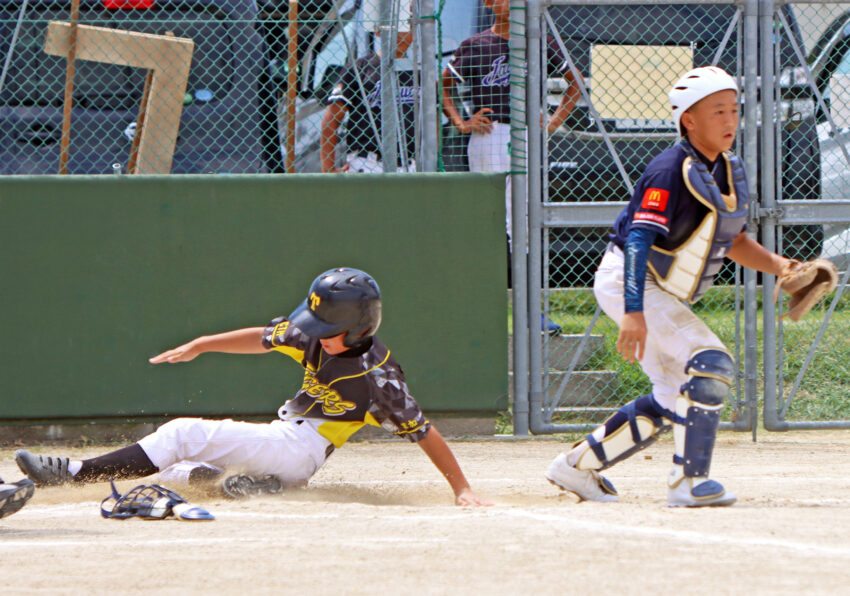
[[519, 267], [768, 202], [535, 141], [428, 91], [389, 131], [751, 163]]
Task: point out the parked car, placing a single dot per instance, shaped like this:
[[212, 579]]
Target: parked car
[[830, 65], [222, 124]]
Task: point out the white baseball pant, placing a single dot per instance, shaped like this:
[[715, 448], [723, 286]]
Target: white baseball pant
[[674, 332], [290, 450]]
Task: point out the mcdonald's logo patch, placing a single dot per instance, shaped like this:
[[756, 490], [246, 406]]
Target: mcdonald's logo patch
[[655, 199]]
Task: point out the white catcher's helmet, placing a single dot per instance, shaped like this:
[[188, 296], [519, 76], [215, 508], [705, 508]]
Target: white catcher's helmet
[[694, 86]]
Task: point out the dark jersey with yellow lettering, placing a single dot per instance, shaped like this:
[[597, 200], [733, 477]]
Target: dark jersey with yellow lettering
[[364, 385]]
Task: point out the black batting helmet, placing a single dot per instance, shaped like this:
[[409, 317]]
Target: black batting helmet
[[340, 300]]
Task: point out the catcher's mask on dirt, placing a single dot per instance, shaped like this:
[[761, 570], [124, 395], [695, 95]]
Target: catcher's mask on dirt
[[150, 501], [340, 300], [695, 85]]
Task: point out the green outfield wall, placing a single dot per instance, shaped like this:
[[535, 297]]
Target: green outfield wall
[[101, 273]]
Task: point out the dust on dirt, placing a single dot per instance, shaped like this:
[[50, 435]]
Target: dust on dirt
[[379, 518]]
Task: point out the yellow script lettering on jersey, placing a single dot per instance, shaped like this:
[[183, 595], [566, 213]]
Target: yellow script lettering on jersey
[[331, 400], [279, 332]]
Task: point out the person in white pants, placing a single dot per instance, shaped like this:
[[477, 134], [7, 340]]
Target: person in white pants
[[688, 212], [481, 63]]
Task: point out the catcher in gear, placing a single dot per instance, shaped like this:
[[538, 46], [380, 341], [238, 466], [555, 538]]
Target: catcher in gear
[[350, 380], [687, 214]]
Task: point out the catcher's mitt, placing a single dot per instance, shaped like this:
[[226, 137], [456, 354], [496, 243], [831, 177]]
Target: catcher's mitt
[[807, 282]]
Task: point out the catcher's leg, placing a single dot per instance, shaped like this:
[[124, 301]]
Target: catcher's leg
[[695, 429], [633, 427], [15, 495]]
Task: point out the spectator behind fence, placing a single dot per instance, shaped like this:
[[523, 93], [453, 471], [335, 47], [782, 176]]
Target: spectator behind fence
[[358, 94], [481, 63]]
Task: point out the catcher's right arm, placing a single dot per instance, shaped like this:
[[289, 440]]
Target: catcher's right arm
[[807, 283]]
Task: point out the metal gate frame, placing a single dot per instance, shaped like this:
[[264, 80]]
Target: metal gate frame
[[775, 213], [757, 19]]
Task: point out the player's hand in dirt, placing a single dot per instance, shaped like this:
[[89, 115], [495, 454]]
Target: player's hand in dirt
[[183, 353], [467, 498], [479, 123], [632, 338]]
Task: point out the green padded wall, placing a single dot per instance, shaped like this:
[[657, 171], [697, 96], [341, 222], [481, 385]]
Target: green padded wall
[[100, 273]]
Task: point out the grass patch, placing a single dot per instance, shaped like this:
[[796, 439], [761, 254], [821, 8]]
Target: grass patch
[[823, 393]]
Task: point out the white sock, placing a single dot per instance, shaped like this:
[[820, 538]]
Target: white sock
[[74, 467]]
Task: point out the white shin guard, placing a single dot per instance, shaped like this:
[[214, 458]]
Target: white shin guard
[[633, 427]]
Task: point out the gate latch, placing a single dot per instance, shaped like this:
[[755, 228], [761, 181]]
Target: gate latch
[[775, 213]]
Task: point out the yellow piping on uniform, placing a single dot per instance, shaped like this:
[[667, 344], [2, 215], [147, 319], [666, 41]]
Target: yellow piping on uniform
[[365, 372], [294, 353]]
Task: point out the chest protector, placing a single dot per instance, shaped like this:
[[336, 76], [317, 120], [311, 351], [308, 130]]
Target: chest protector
[[689, 270]]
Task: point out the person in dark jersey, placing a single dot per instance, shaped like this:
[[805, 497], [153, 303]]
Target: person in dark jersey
[[358, 95], [350, 380], [481, 63], [687, 214]]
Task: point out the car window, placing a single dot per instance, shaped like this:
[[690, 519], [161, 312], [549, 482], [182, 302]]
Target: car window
[[839, 92], [37, 78], [458, 21], [335, 53], [844, 66]]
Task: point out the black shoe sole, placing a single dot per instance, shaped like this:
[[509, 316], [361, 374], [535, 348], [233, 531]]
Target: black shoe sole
[[241, 486]]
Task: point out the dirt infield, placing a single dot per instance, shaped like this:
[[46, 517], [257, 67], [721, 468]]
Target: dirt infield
[[378, 519]]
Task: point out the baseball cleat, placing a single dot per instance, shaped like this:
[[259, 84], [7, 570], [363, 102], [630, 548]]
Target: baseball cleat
[[240, 486], [44, 471], [708, 493], [15, 495], [587, 485], [550, 326]]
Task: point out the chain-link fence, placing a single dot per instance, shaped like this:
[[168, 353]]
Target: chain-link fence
[[400, 86], [628, 57], [274, 86], [805, 363]]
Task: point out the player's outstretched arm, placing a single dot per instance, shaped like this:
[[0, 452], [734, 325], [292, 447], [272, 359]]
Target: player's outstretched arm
[[438, 450], [240, 341]]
